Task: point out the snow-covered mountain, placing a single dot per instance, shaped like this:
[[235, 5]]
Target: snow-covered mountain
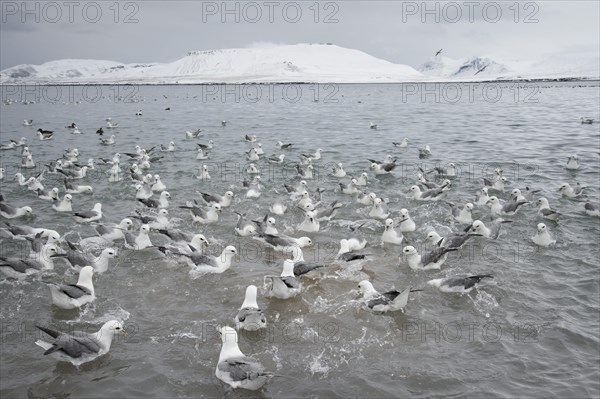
[[318, 63], [482, 68], [288, 63]]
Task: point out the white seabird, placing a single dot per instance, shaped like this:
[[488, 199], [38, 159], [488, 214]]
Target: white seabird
[[252, 169], [252, 156], [572, 162], [77, 259], [284, 243], [367, 199], [204, 263], [428, 195], [492, 232], [64, 205], [509, 208], [379, 209], [406, 224], [277, 208], [286, 285], [139, 241], [244, 227], [19, 268], [250, 317], [498, 184], [390, 235], [362, 180], [310, 224], [424, 152], [452, 240], [80, 347], [89, 216], [543, 237], [591, 209], [429, 260], [72, 188], [108, 141], [349, 188], [208, 146], [338, 171], [458, 284], [158, 184], [74, 295], [571, 192], [236, 369], [545, 211], [389, 301], [160, 203], [202, 215], [9, 211], [277, 159], [316, 156], [223, 200], [383, 168], [462, 215], [402, 144], [203, 173]]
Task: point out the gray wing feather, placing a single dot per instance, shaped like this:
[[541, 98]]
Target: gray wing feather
[[242, 368], [245, 312], [210, 198], [202, 259], [301, 268], [4, 207], [277, 241], [130, 239], [79, 259], [74, 291], [21, 265], [290, 281], [86, 214], [102, 230]]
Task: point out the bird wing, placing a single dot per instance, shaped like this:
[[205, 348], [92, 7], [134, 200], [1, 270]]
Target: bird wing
[[200, 258], [149, 202], [210, 198], [74, 291], [242, 368], [301, 268], [74, 345], [20, 265], [276, 241], [290, 281], [388, 167], [86, 214], [9, 209], [102, 230], [245, 312]]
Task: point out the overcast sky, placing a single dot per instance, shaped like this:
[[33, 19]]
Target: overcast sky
[[401, 32]]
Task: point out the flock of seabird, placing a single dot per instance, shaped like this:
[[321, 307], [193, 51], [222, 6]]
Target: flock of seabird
[[151, 204]]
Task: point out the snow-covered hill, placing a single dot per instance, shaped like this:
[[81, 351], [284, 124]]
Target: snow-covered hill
[[483, 68], [289, 63], [319, 63]]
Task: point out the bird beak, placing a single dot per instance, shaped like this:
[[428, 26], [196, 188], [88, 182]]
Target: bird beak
[[124, 333], [468, 229]]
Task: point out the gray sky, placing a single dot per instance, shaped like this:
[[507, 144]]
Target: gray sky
[[401, 32]]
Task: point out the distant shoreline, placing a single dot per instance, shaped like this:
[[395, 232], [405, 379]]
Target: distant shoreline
[[219, 83]]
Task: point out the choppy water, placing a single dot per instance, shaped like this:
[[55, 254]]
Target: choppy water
[[533, 333]]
